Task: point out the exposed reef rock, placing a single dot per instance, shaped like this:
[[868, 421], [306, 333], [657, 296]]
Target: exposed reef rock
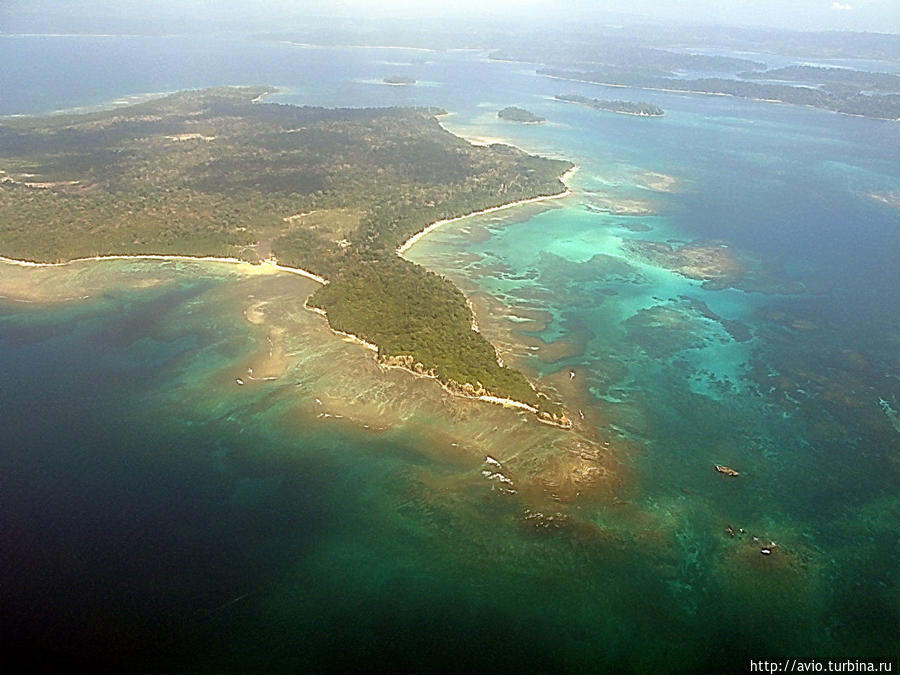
[[716, 264]]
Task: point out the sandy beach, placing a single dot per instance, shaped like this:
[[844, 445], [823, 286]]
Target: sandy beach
[[418, 235]]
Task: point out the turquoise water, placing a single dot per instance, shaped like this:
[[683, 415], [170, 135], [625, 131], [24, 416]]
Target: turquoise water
[[159, 517]]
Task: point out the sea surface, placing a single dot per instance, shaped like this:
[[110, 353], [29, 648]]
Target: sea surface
[[158, 515]]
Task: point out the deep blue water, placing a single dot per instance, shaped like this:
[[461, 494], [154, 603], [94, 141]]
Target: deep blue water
[[144, 529]]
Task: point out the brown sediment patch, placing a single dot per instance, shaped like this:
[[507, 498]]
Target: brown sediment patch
[[592, 421], [658, 182], [786, 581], [333, 382], [500, 320], [492, 268], [276, 361], [536, 293], [637, 226], [271, 361], [550, 352], [617, 206], [508, 332], [47, 285], [716, 264], [891, 198], [324, 380], [479, 233]]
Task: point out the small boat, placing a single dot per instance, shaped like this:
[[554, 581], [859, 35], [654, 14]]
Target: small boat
[[727, 470], [238, 381]]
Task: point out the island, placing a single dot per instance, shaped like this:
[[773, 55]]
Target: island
[[330, 193], [514, 114], [845, 96], [639, 108], [830, 78], [398, 80]]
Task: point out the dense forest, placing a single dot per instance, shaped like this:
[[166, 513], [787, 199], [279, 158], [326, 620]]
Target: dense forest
[[616, 51], [858, 80], [335, 192], [639, 108], [398, 79], [515, 114]]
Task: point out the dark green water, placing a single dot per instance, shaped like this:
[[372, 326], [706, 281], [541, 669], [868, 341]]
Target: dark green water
[[158, 517]]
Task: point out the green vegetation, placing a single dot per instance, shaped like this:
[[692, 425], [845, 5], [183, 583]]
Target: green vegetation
[[840, 97], [514, 114], [617, 51], [638, 108], [857, 80], [334, 192]]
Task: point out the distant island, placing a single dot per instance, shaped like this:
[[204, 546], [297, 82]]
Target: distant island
[[638, 108], [333, 193], [515, 114], [847, 95], [833, 79], [399, 79]]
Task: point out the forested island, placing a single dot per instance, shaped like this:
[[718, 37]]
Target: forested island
[[515, 114], [638, 108], [846, 99], [616, 51], [330, 191], [399, 79], [831, 78]]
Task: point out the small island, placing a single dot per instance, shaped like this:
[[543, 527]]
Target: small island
[[638, 108], [399, 80], [515, 114]]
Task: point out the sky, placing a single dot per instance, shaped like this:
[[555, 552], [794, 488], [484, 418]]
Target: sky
[[867, 15], [858, 15]]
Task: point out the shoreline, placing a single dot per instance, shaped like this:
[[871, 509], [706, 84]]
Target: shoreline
[[585, 104], [503, 402], [405, 246], [564, 178], [268, 263], [272, 264]]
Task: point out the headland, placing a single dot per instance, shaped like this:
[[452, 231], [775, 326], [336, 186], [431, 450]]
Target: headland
[[214, 176]]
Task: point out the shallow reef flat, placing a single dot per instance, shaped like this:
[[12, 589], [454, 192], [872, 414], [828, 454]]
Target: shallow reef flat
[[292, 362]]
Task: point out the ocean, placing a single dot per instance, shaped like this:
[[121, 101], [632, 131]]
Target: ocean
[[159, 516]]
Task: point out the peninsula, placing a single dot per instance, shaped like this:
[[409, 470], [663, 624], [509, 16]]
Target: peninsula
[[332, 192]]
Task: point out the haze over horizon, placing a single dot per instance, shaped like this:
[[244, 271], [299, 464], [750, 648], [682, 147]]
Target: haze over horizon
[[882, 16]]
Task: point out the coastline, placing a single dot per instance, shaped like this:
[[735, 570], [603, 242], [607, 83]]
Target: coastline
[[272, 264], [268, 263], [563, 423], [564, 178]]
